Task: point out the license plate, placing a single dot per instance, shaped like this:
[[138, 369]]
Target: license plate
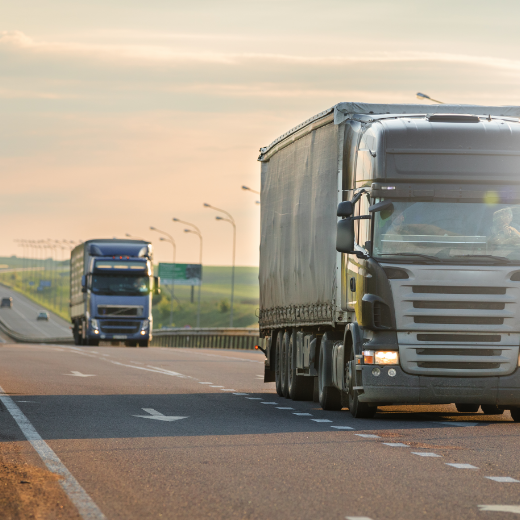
[[120, 336]]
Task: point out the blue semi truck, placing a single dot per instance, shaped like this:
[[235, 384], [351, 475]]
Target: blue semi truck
[[111, 288]]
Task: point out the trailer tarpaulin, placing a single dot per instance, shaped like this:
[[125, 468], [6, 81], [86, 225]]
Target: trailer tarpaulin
[[298, 214]]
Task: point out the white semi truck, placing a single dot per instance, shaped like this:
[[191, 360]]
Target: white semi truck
[[390, 258]]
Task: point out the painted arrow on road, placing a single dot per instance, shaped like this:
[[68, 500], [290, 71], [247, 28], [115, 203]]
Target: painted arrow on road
[[79, 374], [158, 416]]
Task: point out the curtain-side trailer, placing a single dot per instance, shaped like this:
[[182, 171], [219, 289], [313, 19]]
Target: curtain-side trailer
[[390, 258]]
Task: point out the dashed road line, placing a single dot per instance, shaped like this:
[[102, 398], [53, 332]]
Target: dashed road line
[[284, 408], [216, 386], [254, 398], [342, 427], [205, 383], [357, 518], [302, 414], [268, 402], [320, 420], [425, 454], [503, 479], [500, 508], [396, 444], [368, 435], [227, 390], [461, 466]]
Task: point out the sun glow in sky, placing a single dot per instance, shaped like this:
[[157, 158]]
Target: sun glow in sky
[[118, 116]]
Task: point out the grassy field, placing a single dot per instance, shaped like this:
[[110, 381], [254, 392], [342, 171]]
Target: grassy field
[[215, 294]]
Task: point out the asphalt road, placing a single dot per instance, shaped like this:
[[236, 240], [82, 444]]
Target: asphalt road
[[237, 450], [22, 317]]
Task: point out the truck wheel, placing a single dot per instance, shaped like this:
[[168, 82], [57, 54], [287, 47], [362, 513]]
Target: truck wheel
[[278, 364], [284, 356], [357, 409], [300, 387], [515, 414], [491, 409], [467, 408], [329, 397]]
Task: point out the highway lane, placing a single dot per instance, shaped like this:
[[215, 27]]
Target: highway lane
[[22, 317], [237, 450]]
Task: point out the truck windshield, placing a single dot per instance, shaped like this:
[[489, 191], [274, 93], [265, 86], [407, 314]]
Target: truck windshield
[[460, 232], [122, 285]]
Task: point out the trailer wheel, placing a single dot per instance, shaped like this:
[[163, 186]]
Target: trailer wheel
[[515, 414], [467, 408], [357, 409], [491, 409], [300, 387], [329, 397], [278, 364]]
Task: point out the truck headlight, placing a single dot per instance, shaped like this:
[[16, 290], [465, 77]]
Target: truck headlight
[[145, 325], [390, 357], [94, 324], [368, 357]]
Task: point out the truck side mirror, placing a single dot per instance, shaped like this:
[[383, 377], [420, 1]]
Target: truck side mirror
[[156, 285], [385, 205], [83, 283], [345, 236], [345, 209]]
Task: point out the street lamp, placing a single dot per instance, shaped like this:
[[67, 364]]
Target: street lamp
[[231, 220], [172, 242], [132, 237], [423, 97], [197, 232], [249, 189]]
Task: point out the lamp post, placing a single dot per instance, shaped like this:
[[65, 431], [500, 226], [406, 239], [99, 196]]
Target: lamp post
[[132, 237], [422, 97], [197, 232], [172, 242], [249, 189], [231, 220]]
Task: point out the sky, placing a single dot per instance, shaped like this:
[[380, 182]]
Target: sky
[[117, 116]]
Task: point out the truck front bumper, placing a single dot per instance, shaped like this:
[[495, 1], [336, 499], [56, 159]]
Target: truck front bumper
[[413, 389]]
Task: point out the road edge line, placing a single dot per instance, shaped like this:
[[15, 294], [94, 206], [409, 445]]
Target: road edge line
[[86, 507]]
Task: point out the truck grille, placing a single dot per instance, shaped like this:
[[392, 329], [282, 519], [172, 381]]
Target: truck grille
[[457, 330], [119, 310], [119, 327]]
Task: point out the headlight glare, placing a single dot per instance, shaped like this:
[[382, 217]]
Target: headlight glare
[[390, 357]]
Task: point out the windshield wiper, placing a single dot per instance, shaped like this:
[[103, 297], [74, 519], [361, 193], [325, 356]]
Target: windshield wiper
[[499, 259], [426, 257]]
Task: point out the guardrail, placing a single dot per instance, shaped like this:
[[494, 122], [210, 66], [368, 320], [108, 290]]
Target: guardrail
[[22, 338], [228, 338]]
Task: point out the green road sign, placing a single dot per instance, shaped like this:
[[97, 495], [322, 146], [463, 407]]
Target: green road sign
[[181, 274]]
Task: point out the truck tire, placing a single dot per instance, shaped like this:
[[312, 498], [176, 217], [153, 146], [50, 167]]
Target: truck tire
[[491, 409], [300, 387], [515, 414], [467, 408], [92, 342], [284, 357], [145, 343], [278, 364], [357, 409], [329, 397]]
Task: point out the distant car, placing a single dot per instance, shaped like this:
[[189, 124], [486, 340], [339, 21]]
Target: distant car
[[42, 315], [6, 302]]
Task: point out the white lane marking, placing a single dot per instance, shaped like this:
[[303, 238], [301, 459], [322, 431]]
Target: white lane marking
[[461, 466], [501, 509], [396, 444], [358, 518], [165, 371], [86, 507], [320, 420], [26, 401], [240, 393], [227, 390], [303, 414], [75, 373], [205, 383], [216, 386], [268, 402], [368, 435], [158, 416], [454, 423], [425, 454], [187, 351], [284, 408], [342, 427], [503, 479], [254, 398]]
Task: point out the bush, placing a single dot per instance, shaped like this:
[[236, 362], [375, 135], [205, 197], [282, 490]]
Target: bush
[[223, 306]]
